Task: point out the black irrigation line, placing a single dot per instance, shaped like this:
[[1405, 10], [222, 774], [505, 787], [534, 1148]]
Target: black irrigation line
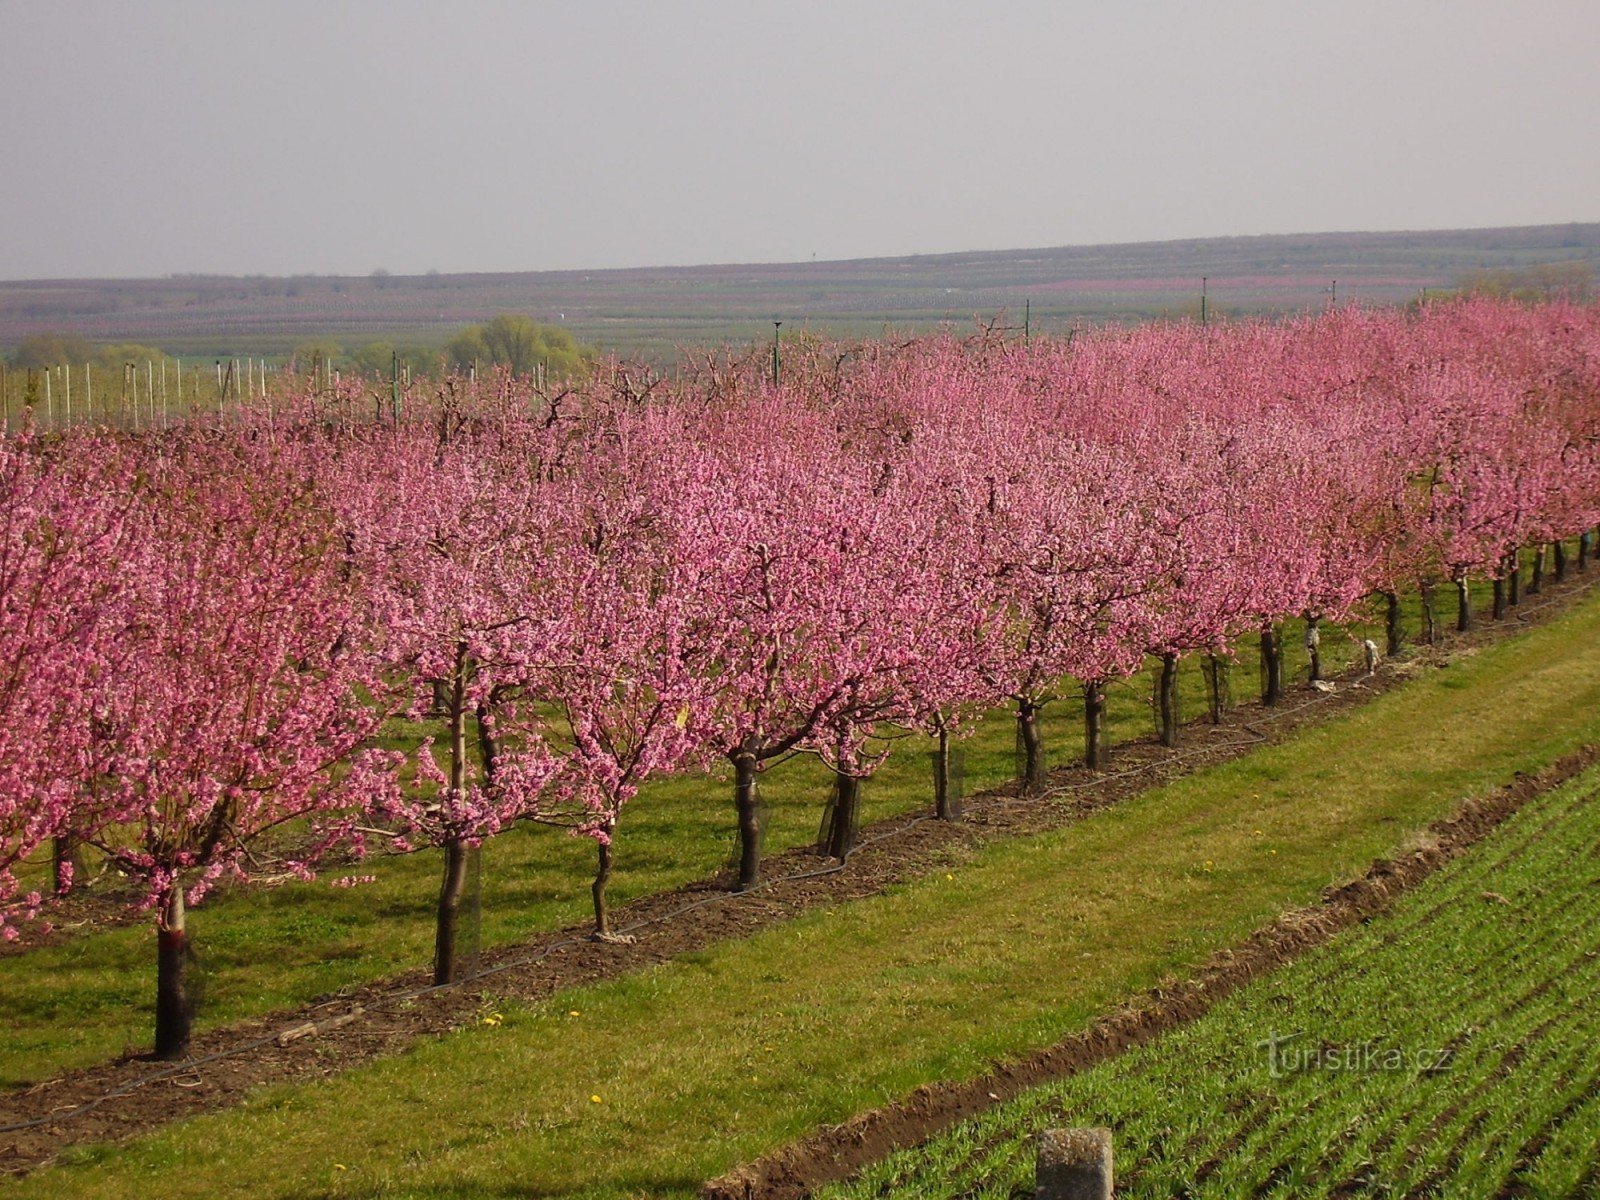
[[189, 1066]]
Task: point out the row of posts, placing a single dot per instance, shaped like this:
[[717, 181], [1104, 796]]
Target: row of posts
[[49, 393]]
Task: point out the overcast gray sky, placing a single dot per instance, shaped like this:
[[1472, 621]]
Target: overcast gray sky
[[340, 136]]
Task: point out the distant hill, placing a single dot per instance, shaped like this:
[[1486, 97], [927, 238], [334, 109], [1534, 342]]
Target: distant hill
[[653, 310]]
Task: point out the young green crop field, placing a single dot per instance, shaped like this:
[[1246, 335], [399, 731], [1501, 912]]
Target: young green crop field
[[91, 996], [650, 1084], [1444, 1049]]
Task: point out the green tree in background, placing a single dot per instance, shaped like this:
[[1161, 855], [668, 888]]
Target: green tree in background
[[1540, 283], [521, 344], [52, 350], [377, 358], [318, 352], [112, 358]]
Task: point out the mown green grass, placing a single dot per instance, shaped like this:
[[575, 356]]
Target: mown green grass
[[1445, 1048], [723, 1054], [261, 950]]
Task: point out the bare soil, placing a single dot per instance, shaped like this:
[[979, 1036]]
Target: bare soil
[[132, 1094]]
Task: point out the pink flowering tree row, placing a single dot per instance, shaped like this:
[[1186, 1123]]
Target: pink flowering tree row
[[205, 630]]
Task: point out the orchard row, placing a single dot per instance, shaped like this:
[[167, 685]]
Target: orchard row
[[203, 631]]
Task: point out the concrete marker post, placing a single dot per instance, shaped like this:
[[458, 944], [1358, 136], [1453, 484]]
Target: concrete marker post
[[1074, 1164]]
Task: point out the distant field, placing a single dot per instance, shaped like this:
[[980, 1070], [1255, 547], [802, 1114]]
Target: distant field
[[653, 311]]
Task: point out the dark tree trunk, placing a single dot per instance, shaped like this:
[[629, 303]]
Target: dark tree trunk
[[455, 849], [1271, 666], [488, 744], [846, 807], [1217, 685], [1094, 738], [1032, 755], [1514, 578], [1583, 550], [1394, 631], [602, 876], [1313, 648], [744, 802], [1558, 561], [1430, 616], [1167, 700], [66, 864], [1463, 606], [174, 1013], [946, 803], [449, 911], [1536, 584], [1498, 611]]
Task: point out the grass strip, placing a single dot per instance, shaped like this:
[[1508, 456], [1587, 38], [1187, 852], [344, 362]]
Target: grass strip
[[650, 1084]]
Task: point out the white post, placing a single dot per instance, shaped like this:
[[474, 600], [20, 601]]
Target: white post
[[88, 390], [180, 382], [68, 380], [150, 389], [49, 404]]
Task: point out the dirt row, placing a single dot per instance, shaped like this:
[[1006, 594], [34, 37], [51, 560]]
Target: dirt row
[[133, 1095], [837, 1153]]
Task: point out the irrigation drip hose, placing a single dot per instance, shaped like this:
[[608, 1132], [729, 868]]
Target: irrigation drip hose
[[188, 1066]]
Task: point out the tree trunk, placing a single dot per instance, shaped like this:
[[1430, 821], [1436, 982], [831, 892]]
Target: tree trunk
[[455, 850], [449, 910], [1271, 666], [945, 802], [602, 914], [1313, 648], [1167, 700], [1032, 757], [1514, 578], [1558, 560], [1463, 606], [1536, 584], [1498, 612], [1394, 631], [1583, 550], [846, 807], [66, 863], [174, 1014], [744, 802], [1094, 741], [1430, 616], [1217, 682]]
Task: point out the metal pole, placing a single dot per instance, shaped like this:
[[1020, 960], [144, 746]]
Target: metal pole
[[775, 325], [1027, 320], [1202, 301]]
